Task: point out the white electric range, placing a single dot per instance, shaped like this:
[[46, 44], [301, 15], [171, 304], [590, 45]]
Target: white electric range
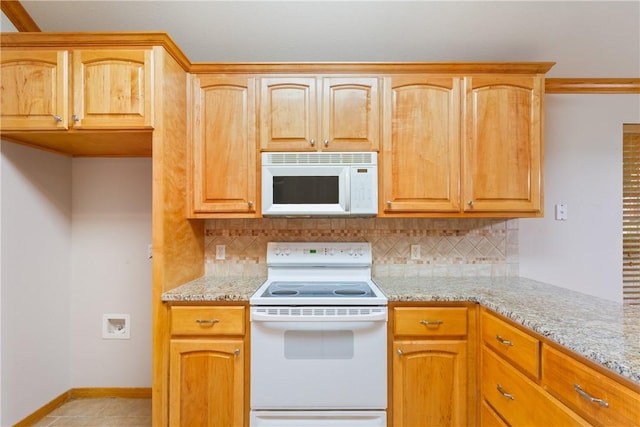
[[318, 338]]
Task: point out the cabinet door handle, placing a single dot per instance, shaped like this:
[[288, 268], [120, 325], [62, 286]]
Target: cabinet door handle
[[431, 322], [326, 142], [504, 393], [470, 203], [588, 397], [57, 118], [207, 322], [312, 142], [250, 203], [400, 353], [503, 341], [236, 351], [75, 118]]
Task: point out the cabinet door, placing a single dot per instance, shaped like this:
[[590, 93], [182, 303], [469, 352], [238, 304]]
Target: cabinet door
[[350, 114], [34, 92], [112, 89], [206, 381], [288, 114], [421, 152], [223, 149], [429, 383], [503, 150]]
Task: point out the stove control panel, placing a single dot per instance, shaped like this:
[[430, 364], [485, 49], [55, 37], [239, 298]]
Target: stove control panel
[[319, 253]]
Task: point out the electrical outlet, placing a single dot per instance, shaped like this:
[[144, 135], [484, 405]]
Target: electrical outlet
[[415, 251], [561, 212], [221, 252]]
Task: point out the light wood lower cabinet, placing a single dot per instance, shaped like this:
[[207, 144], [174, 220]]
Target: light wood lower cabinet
[[596, 397], [207, 367], [206, 382], [432, 367], [519, 400]]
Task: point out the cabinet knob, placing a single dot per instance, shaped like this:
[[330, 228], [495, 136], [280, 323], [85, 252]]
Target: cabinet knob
[[250, 203], [389, 203], [399, 352], [236, 351], [326, 142], [470, 203], [57, 118], [312, 142], [75, 118]]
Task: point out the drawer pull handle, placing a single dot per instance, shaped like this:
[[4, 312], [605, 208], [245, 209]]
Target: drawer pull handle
[[504, 393], [503, 341], [590, 398], [207, 322], [431, 322]]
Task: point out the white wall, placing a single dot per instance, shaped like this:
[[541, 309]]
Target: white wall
[[36, 277], [584, 170], [111, 229]]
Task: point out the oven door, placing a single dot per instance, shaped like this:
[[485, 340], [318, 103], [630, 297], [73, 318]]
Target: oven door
[[318, 358], [305, 190]]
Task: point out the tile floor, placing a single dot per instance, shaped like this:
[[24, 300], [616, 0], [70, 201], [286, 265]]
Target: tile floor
[[113, 411]]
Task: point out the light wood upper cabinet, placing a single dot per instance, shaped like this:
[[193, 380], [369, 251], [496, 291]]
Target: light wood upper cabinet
[[35, 91], [112, 89], [79, 89], [421, 149], [503, 148], [319, 113], [223, 150]]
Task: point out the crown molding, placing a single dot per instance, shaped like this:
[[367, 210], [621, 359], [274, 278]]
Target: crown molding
[[18, 16]]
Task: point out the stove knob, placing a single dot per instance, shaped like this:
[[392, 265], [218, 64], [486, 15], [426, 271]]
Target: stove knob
[[287, 251], [276, 251]]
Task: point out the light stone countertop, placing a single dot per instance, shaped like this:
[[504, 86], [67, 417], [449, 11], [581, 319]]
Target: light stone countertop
[[600, 330]]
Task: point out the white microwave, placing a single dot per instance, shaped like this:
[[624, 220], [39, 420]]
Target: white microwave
[[320, 184]]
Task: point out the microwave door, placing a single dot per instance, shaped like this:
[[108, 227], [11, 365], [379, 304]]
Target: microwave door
[[295, 190]]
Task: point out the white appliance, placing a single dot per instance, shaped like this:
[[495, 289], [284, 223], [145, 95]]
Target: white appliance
[[320, 184], [318, 338]]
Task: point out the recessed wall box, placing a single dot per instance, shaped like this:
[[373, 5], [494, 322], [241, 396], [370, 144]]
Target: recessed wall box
[[116, 326]]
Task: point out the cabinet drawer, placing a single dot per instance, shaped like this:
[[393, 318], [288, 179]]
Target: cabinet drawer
[[430, 321], [561, 374], [207, 320], [517, 346], [518, 400], [489, 417]]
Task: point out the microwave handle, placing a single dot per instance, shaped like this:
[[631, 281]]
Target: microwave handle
[[347, 202]]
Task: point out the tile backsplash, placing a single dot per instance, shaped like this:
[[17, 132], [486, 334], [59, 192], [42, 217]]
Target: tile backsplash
[[448, 247]]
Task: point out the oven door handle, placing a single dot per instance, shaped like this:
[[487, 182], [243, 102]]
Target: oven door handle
[[371, 317]]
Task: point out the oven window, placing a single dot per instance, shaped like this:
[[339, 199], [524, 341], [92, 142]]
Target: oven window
[[318, 345], [305, 190]]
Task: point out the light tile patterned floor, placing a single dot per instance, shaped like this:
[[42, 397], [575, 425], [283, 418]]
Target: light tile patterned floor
[[110, 412]]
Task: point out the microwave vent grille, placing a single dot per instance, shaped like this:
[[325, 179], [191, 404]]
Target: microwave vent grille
[[364, 158]]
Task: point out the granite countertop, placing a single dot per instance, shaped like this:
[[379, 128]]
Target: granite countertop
[[603, 331]]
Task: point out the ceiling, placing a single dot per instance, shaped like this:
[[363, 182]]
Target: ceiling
[[584, 38]]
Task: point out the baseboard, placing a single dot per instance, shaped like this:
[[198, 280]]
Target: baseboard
[[138, 393], [83, 393]]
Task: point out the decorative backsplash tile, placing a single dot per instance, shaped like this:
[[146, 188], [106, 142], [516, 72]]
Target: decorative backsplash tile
[[448, 247]]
